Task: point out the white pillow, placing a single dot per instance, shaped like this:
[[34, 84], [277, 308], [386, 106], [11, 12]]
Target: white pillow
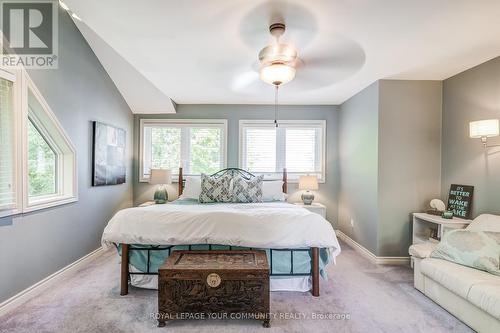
[[485, 222], [192, 188], [272, 190]]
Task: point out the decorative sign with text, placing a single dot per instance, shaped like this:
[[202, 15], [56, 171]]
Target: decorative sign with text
[[460, 200]]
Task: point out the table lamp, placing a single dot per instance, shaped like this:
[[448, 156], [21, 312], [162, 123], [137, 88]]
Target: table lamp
[[308, 183], [160, 177]]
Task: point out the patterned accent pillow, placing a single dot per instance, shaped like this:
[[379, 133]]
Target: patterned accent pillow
[[215, 189], [476, 249], [247, 190]]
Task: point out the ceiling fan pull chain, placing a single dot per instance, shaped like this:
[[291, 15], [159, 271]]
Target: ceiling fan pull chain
[[276, 106]]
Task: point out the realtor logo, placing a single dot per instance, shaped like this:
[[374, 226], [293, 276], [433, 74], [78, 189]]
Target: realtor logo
[[29, 30]]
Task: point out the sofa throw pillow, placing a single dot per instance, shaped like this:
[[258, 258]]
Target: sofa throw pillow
[[476, 249], [247, 190], [485, 222], [215, 189]]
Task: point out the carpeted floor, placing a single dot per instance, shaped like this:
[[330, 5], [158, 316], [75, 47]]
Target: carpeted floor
[[371, 298]]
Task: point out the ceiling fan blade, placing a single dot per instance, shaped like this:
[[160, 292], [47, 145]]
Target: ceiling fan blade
[[243, 82], [335, 62]]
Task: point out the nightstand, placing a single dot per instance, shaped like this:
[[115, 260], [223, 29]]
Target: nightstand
[[314, 207], [147, 203], [427, 225]]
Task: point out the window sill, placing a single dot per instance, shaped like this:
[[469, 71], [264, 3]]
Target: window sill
[[289, 181], [43, 204], [9, 212]]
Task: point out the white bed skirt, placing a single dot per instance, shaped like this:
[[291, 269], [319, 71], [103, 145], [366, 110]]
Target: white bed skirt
[[298, 283]]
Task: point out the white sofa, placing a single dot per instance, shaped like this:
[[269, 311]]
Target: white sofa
[[471, 295]]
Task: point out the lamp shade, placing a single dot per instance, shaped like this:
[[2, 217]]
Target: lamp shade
[[160, 177], [277, 73], [483, 128], [308, 183]]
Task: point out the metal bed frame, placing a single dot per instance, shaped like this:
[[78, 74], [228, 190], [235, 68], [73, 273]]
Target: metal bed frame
[[313, 251], [169, 249]]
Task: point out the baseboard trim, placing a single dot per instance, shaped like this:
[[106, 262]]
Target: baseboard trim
[[399, 261], [44, 284]]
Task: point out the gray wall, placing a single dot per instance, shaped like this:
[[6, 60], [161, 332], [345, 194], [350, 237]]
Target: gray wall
[[358, 151], [468, 96], [389, 144], [409, 158], [35, 245], [327, 193]]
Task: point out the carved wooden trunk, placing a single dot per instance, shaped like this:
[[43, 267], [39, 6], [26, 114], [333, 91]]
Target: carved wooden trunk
[[214, 284]]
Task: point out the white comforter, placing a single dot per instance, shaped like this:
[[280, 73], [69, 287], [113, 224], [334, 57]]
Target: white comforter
[[261, 225]]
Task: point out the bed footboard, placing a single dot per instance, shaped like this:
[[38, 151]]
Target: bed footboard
[[314, 273]]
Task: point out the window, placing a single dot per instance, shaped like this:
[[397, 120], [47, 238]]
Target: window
[[297, 145], [37, 160], [199, 146], [7, 146], [50, 160]]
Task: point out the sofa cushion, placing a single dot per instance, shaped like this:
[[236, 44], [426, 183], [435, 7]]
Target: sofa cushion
[[422, 250], [456, 278], [477, 249], [485, 222], [486, 296]]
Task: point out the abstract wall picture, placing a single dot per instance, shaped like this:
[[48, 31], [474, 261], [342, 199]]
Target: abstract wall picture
[[108, 158]]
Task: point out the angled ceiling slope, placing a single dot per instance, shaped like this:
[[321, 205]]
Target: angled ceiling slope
[[141, 95]]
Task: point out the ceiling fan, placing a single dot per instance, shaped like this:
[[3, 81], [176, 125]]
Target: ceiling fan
[[278, 61], [298, 51]]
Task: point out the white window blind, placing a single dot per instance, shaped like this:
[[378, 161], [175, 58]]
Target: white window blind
[[297, 146], [7, 175], [261, 149], [198, 146]]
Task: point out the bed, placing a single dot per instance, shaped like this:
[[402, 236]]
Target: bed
[[299, 244]]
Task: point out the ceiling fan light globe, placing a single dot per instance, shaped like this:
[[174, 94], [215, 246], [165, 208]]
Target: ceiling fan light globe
[[277, 74], [277, 52]]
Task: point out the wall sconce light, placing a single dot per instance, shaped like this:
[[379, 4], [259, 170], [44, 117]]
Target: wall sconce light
[[484, 129]]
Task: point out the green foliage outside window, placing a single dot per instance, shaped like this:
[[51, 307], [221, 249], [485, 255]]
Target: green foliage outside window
[[201, 149], [41, 164], [205, 150], [165, 148]]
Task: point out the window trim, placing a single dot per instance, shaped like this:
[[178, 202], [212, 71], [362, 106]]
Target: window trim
[[288, 123], [144, 122], [16, 207], [64, 177], [66, 166]]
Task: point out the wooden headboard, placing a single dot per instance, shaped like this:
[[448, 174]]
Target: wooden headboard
[[233, 171]]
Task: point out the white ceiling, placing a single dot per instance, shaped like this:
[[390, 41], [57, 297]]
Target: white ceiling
[[205, 52]]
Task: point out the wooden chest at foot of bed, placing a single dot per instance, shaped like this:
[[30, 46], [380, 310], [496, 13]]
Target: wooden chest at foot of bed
[[214, 284]]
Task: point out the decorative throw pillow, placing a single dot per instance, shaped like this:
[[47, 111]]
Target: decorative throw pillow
[[247, 190], [272, 190], [192, 188], [476, 249], [485, 222], [215, 189]]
